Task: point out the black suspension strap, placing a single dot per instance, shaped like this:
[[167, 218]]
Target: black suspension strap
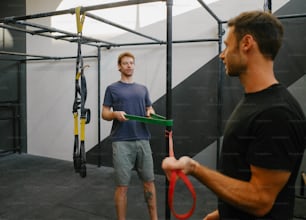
[[80, 95]]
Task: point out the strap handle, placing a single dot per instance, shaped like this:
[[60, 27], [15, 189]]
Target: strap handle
[[175, 176], [79, 19]]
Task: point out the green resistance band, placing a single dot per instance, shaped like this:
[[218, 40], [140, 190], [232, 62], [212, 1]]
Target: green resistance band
[[154, 119]]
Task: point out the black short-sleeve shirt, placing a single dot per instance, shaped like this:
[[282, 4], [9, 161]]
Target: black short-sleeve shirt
[[266, 129]]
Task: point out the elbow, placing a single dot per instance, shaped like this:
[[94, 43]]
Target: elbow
[[263, 208], [104, 117], [261, 212]]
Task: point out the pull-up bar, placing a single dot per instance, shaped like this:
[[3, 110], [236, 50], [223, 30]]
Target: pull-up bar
[[291, 16], [70, 36], [209, 11], [163, 42], [39, 57], [121, 27], [24, 54], [54, 30], [10, 22], [83, 9]]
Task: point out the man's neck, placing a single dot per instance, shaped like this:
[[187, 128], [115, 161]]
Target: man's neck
[[127, 79], [258, 77]]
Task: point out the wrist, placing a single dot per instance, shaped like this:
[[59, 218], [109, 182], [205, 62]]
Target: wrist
[[114, 115], [193, 167]]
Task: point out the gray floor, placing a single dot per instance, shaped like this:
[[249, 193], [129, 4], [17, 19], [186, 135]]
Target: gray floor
[[39, 188], [33, 187]]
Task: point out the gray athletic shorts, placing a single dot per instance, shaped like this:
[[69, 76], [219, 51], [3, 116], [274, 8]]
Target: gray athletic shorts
[[128, 155]]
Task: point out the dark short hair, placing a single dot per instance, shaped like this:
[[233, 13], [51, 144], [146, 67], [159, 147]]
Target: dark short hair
[[266, 29], [125, 54]]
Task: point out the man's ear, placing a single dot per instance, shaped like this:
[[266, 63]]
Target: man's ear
[[247, 42]]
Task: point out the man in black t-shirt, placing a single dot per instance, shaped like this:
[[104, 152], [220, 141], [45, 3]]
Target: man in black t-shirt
[[264, 138]]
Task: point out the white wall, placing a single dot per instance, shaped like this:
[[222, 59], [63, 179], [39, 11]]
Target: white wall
[[50, 84], [50, 92]]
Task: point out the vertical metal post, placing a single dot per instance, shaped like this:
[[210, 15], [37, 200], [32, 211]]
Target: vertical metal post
[[168, 90], [268, 6], [99, 104], [169, 60], [17, 115], [220, 95], [220, 82], [23, 108]]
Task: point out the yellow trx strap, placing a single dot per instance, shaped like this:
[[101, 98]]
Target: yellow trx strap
[[82, 135], [79, 19], [77, 76], [79, 153]]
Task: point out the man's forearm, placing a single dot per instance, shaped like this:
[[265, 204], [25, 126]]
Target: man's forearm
[[108, 115], [241, 194]]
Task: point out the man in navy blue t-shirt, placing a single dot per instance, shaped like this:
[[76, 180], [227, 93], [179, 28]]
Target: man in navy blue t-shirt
[[130, 139]]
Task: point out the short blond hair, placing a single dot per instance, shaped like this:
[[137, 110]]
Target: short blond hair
[[125, 54]]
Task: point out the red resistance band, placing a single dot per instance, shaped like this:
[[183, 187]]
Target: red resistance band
[[175, 175]]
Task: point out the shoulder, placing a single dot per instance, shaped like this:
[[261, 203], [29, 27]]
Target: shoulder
[[113, 85], [280, 113], [140, 86], [281, 121]]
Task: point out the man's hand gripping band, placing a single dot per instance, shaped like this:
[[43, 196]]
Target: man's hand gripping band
[[175, 175]]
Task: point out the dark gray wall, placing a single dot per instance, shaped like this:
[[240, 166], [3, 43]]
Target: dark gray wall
[[12, 82]]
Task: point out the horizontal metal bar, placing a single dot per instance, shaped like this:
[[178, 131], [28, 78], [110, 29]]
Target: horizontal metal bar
[[40, 31], [43, 57], [60, 58], [83, 9], [120, 27], [23, 54], [291, 16], [62, 37], [196, 40], [209, 11], [285, 17], [9, 27], [161, 43], [52, 30], [39, 15]]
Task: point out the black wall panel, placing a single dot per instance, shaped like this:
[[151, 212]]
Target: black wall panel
[[12, 82]]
